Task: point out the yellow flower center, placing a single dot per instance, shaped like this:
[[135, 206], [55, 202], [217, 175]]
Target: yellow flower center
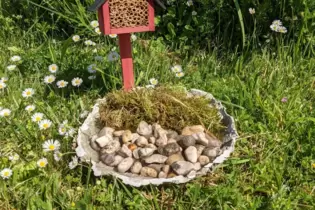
[[45, 125], [42, 164], [6, 173], [51, 147], [53, 68], [38, 118], [28, 93], [1, 86], [77, 82], [6, 114]]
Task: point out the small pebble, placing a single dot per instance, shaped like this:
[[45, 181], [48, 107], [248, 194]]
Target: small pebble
[[162, 175], [174, 158], [104, 140], [187, 141], [157, 167], [203, 160], [142, 141], [125, 151], [145, 152], [211, 152], [118, 133], [136, 167], [125, 165], [152, 140], [132, 147], [166, 169], [169, 149], [200, 149], [191, 154], [106, 131], [135, 154], [189, 130], [155, 158], [171, 134], [117, 160], [127, 136], [111, 147], [93, 143], [107, 158], [149, 172], [183, 167], [144, 129]]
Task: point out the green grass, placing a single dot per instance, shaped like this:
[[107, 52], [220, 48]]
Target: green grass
[[271, 167]]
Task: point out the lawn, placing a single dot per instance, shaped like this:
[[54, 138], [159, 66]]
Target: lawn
[[270, 91]]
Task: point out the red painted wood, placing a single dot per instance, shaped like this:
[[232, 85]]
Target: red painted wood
[[129, 30], [126, 61], [151, 15], [106, 18], [101, 20]]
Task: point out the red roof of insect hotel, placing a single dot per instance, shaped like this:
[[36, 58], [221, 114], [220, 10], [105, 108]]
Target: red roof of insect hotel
[[125, 16]]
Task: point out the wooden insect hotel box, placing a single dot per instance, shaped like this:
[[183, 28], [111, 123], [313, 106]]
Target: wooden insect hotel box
[[125, 16]]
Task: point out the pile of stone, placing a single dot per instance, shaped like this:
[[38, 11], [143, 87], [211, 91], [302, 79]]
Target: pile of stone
[[155, 152]]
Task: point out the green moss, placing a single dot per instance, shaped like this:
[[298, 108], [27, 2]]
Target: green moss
[[168, 106]]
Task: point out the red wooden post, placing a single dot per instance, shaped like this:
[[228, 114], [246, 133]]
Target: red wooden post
[[126, 60]]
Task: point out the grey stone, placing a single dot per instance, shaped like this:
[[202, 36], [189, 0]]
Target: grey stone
[[174, 158], [107, 158], [144, 129], [142, 141], [169, 149], [118, 133], [166, 169], [117, 160], [125, 165], [149, 172], [151, 146], [187, 141], [135, 154], [162, 140], [155, 128], [213, 141], [127, 136], [125, 151], [157, 167], [200, 149], [191, 154], [111, 147], [106, 131], [155, 158], [134, 137], [104, 140], [211, 152], [162, 175], [171, 134], [203, 160], [93, 143], [182, 167], [145, 152], [171, 141], [152, 140], [136, 167], [190, 130]]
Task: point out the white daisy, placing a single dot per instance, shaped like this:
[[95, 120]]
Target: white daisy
[[2, 85], [112, 35], [49, 79], [113, 56], [251, 11], [92, 68], [153, 81], [14, 157], [57, 156], [282, 29], [93, 44], [94, 50], [76, 81], [180, 74], [74, 162], [5, 112], [76, 38], [15, 58], [98, 30], [41, 163], [62, 84], [11, 67], [88, 42], [80, 151], [30, 108], [53, 68], [193, 13], [133, 37], [6, 173], [62, 130], [28, 92], [94, 24], [37, 117], [70, 132], [51, 145], [277, 22], [4, 79], [190, 3], [177, 68], [92, 77], [44, 124]]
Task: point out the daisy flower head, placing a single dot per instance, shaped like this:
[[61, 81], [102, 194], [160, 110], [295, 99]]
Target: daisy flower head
[[98, 30], [44, 124], [251, 11], [53, 68], [112, 35], [42, 163], [74, 162], [92, 77], [62, 130], [177, 69], [30, 108], [14, 157], [49, 79], [153, 81], [284, 100], [6, 173], [92, 68], [51, 145], [133, 37], [193, 13], [94, 23], [2, 85], [37, 117], [274, 27], [5, 112], [113, 56], [15, 58], [11, 67], [180, 74], [57, 155], [28, 92], [76, 82], [277, 22], [282, 29], [62, 84], [190, 3], [4, 79], [76, 38], [88, 43]]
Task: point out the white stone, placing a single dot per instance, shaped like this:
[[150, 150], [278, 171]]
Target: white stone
[[142, 141], [125, 165], [104, 140], [145, 152], [136, 167], [191, 154], [155, 158], [125, 151], [144, 129]]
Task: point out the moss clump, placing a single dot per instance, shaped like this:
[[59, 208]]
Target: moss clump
[[168, 106]]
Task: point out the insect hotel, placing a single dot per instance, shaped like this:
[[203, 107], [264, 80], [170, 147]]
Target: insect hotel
[[123, 17]]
